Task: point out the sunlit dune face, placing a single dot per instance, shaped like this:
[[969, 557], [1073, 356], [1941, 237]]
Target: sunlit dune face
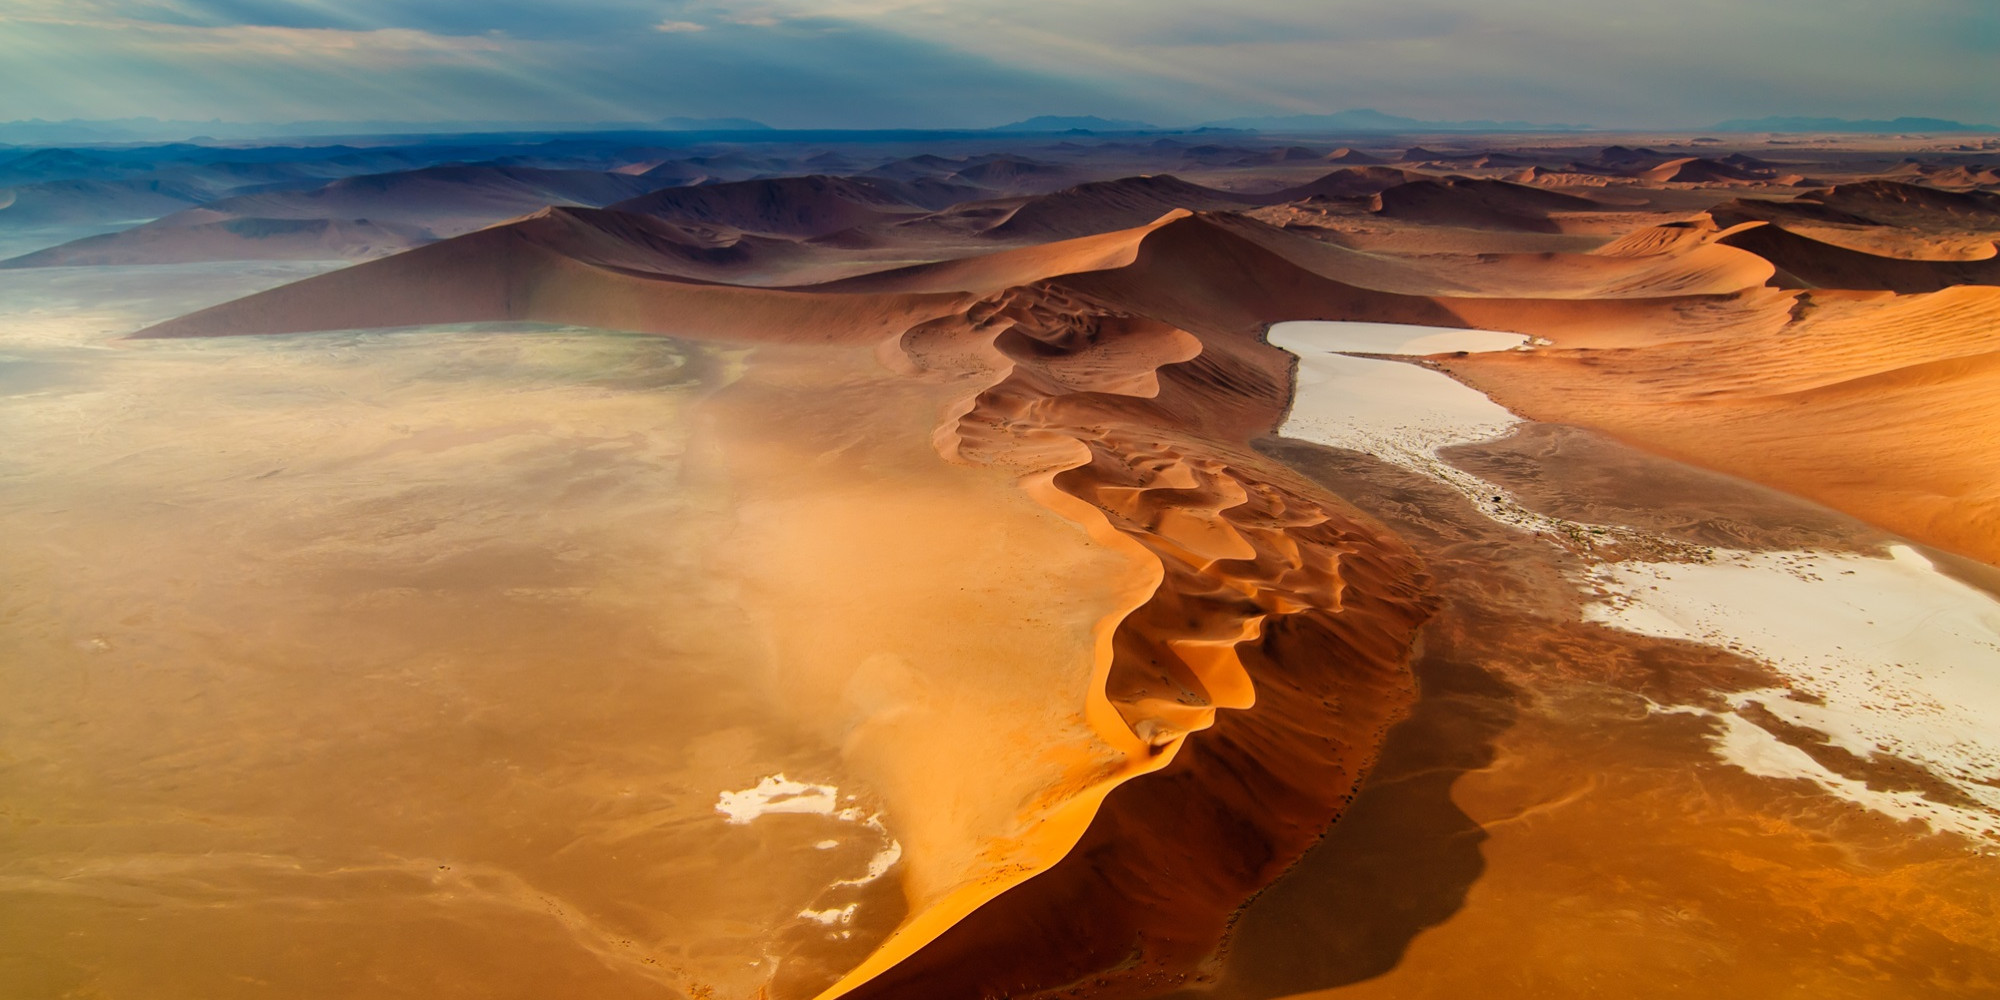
[[490, 664], [942, 628]]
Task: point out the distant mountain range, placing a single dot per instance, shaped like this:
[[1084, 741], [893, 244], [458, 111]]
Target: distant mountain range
[[1362, 120], [1370, 120], [1072, 123], [1794, 123], [36, 132], [1358, 120]]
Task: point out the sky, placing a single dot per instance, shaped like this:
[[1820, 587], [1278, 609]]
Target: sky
[[977, 63]]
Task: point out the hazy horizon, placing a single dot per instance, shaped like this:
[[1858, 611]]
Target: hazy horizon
[[884, 64]]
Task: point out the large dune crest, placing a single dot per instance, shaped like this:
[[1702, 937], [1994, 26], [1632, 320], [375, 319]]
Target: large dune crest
[[1135, 418]]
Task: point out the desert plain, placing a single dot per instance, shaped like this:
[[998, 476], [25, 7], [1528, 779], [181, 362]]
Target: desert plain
[[888, 566]]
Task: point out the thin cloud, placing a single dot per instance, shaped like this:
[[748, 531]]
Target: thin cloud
[[857, 63]]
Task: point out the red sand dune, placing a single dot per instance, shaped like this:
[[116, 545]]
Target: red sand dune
[[1478, 203], [1910, 204], [1354, 157], [1351, 182], [1696, 170], [1803, 262]]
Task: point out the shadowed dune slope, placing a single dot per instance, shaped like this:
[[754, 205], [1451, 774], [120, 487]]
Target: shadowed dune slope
[[1898, 203], [792, 206], [1008, 173], [1696, 170], [988, 273], [1351, 182], [1354, 156], [1478, 204], [1103, 206], [1279, 606], [1253, 787], [1803, 262]]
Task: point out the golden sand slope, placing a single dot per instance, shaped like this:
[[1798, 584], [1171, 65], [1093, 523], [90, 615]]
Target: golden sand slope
[[1877, 404], [888, 586]]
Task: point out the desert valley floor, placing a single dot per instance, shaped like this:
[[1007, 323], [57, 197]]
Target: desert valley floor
[[957, 567]]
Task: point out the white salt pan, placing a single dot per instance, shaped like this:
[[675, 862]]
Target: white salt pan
[[1399, 412], [1389, 338], [1402, 413], [1906, 660]]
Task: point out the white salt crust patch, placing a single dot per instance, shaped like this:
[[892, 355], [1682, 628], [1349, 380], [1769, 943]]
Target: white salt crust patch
[[1904, 660], [776, 795]]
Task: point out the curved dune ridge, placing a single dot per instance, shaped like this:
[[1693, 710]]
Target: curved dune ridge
[[1121, 379], [1261, 674]]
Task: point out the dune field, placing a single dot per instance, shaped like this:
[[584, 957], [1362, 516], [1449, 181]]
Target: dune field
[[1076, 566]]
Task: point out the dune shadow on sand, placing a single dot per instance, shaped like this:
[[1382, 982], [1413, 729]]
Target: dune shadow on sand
[[1399, 861], [1403, 856]]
